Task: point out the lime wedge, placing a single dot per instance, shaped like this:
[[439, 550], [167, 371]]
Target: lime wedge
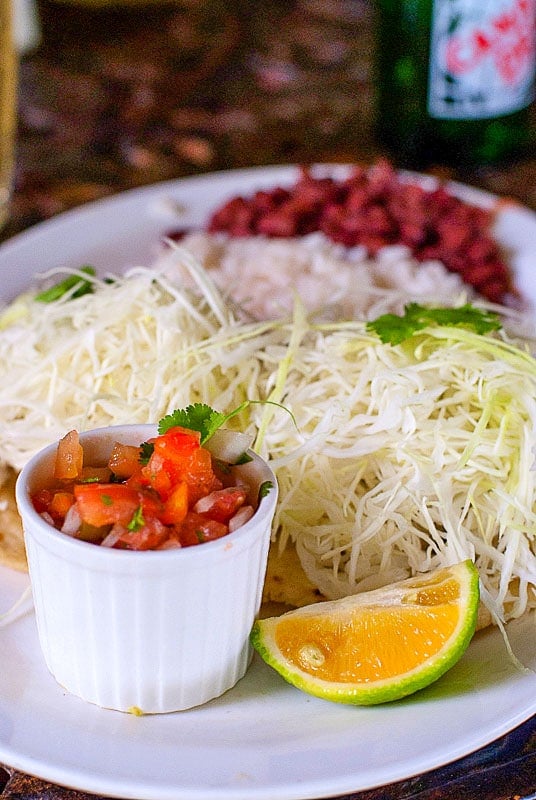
[[376, 646]]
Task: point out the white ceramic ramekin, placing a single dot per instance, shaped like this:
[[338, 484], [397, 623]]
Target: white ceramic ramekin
[[152, 631]]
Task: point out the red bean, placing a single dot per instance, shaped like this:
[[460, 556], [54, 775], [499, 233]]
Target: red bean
[[278, 224], [374, 208]]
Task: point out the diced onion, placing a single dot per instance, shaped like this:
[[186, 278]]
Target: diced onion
[[242, 516], [72, 522], [113, 536], [229, 445]]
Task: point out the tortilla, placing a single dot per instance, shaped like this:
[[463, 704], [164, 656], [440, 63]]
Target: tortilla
[[12, 550], [286, 581]]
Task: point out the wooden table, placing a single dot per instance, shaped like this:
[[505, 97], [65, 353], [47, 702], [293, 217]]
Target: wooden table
[[116, 99]]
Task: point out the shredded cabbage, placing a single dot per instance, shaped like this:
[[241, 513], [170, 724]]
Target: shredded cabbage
[[394, 460], [409, 457], [22, 606]]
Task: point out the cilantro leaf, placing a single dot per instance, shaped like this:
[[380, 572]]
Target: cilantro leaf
[[137, 521], [201, 417], [146, 451], [243, 459], [265, 488], [76, 282], [197, 417], [394, 329]]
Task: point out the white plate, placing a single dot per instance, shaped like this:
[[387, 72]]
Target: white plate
[[264, 739]]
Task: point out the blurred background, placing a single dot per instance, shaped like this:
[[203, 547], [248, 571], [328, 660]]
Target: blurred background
[[113, 96]]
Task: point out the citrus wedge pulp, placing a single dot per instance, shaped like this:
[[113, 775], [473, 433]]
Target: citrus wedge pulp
[[376, 646]]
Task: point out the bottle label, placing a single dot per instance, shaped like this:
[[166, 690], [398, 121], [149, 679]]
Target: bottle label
[[482, 58]]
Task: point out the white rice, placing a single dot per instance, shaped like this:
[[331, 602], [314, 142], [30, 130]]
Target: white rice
[[262, 276]]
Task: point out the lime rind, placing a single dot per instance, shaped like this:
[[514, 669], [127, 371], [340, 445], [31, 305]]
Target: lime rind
[[390, 689]]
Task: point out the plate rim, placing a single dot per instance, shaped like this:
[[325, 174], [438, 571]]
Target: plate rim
[[49, 228]]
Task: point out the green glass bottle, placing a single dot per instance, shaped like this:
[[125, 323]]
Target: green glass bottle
[[455, 80]]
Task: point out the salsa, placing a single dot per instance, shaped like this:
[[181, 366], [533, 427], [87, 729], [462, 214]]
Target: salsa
[[166, 493]]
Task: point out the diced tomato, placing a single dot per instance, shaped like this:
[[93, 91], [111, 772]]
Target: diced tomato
[[138, 481], [148, 537], [154, 505], [177, 443], [222, 504], [60, 504], [124, 460], [170, 461], [195, 469], [176, 505], [95, 475], [69, 457], [102, 504], [57, 504], [196, 529], [150, 503], [199, 475], [41, 500], [160, 474]]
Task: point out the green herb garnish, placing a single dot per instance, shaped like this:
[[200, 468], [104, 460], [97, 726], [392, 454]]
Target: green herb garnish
[[146, 451], [76, 282], [201, 417], [264, 488], [198, 417], [137, 520], [394, 329], [245, 458]]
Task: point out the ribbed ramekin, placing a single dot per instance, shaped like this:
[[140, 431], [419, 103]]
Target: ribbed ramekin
[[152, 631]]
